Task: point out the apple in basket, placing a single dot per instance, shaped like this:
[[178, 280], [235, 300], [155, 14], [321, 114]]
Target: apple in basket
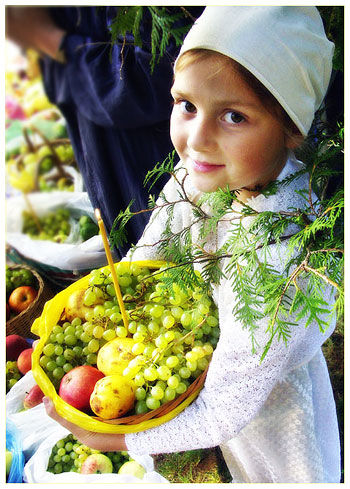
[[77, 385], [15, 344], [21, 298]]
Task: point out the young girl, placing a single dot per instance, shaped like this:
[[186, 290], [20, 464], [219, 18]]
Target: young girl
[[247, 83]]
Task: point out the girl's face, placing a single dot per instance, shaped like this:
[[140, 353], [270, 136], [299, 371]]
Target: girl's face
[[222, 131]]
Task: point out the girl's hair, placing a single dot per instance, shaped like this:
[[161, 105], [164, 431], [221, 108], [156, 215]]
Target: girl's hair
[[265, 96]]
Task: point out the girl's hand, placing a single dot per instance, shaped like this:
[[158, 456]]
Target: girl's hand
[[105, 442]]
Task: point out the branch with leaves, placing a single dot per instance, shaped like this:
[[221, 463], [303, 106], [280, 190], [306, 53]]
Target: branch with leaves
[[318, 228], [164, 27], [313, 236]]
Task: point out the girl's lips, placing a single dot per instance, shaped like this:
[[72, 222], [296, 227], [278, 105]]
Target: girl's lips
[[203, 167]]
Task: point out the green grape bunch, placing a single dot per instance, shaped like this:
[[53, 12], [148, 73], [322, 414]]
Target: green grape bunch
[[54, 226], [16, 277], [175, 331], [68, 455], [12, 374]]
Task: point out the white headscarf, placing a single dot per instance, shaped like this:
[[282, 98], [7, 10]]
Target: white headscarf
[[285, 48]]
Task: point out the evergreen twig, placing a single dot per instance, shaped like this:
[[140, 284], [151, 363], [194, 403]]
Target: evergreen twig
[[165, 27], [312, 237], [316, 232]]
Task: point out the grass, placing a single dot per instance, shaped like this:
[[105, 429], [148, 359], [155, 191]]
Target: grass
[[208, 465], [194, 466]]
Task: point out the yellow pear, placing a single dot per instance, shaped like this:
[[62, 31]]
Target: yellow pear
[[115, 356], [112, 397], [75, 306]]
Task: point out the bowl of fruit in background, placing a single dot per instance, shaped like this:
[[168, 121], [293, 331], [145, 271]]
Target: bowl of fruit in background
[[26, 295], [157, 361]]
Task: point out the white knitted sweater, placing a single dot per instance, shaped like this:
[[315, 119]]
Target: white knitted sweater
[[274, 421]]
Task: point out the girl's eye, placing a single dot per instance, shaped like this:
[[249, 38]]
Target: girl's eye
[[233, 117], [187, 107]]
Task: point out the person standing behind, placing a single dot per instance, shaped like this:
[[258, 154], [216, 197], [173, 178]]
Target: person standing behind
[[116, 108]]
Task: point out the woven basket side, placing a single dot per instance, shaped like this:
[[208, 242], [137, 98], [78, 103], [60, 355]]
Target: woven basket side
[[22, 323], [162, 410]]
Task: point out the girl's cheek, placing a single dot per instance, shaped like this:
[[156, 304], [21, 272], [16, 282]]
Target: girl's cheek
[[175, 131]]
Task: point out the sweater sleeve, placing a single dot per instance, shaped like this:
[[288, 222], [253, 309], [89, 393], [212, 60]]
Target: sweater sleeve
[[238, 383], [236, 387]]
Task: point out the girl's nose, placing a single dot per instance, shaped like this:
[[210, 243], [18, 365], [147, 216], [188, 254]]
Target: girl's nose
[[201, 136]]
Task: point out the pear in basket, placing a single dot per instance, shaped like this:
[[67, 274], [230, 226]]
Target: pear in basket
[[115, 356], [75, 306], [112, 397]]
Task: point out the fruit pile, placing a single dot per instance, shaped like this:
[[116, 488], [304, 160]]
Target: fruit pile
[[55, 226], [21, 290], [38, 151], [18, 359], [25, 95], [16, 277], [12, 374], [69, 455], [31, 169], [166, 345], [18, 363]]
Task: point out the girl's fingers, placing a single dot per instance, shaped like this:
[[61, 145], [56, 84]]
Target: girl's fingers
[[97, 441], [51, 411]]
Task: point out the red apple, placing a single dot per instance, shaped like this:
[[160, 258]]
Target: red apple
[[24, 361], [33, 397], [77, 385], [15, 344], [21, 298]]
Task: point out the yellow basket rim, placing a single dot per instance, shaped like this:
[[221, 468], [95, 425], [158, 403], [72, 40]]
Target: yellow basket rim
[[42, 327]]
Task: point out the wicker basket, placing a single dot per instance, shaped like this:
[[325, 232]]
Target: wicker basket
[[22, 323], [163, 410], [126, 424]]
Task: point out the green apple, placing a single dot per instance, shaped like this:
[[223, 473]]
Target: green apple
[[132, 468], [8, 461]]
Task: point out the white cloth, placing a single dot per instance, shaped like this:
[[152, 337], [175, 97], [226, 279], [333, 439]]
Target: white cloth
[[285, 48], [276, 421]]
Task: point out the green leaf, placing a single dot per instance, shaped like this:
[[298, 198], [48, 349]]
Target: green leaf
[[163, 27]]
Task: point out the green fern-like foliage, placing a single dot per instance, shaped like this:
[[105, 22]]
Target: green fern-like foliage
[[314, 237], [164, 27], [126, 21]]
